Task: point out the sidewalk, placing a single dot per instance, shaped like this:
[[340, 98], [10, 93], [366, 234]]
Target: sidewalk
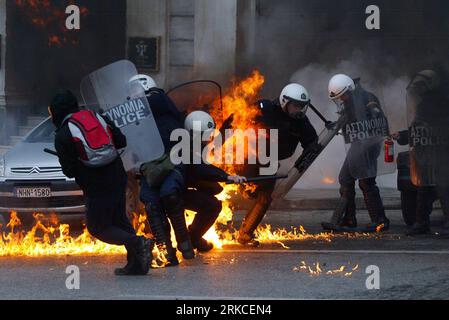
[[327, 199]]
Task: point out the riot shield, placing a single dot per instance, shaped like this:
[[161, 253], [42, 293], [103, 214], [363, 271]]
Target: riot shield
[[365, 132], [428, 121], [204, 95], [307, 158], [110, 92]]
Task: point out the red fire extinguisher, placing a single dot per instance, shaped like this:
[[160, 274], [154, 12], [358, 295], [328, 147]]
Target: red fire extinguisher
[[389, 150]]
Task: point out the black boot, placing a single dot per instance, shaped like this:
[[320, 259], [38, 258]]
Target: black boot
[[186, 249], [443, 194], [344, 215], [418, 229], [444, 233], [144, 248], [253, 219], [374, 205], [445, 229], [131, 267], [202, 245], [337, 216], [160, 228], [424, 205], [139, 254], [349, 222], [174, 209]]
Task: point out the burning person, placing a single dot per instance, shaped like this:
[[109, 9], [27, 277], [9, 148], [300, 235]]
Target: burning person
[[288, 115], [364, 133], [86, 144]]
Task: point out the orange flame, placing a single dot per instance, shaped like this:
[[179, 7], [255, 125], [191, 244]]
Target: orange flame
[[316, 269], [328, 180], [48, 238], [51, 19]]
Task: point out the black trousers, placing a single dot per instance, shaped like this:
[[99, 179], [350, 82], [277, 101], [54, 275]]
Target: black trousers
[[106, 218], [207, 208], [369, 188]]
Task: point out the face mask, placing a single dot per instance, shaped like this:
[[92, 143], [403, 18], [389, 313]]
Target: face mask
[[340, 105]]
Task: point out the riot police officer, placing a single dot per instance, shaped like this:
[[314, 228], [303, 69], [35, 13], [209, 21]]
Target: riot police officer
[[288, 115], [164, 202], [364, 129], [202, 182]]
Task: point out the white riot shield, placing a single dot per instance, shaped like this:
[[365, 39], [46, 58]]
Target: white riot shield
[[428, 121], [365, 132], [110, 92], [307, 158]]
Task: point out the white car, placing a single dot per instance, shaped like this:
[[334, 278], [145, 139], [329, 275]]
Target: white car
[[31, 180]]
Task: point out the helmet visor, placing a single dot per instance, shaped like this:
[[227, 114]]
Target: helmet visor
[[340, 101], [296, 108]]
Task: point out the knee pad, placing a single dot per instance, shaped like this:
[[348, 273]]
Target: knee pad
[[173, 203], [152, 209], [347, 192]]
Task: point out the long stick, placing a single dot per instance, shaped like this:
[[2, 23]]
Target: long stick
[[319, 114], [261, 178]]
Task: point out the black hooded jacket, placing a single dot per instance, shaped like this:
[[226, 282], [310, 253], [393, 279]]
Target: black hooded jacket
[[93, 181]]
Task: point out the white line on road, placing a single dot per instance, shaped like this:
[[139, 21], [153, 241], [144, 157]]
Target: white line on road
[[439, 252]]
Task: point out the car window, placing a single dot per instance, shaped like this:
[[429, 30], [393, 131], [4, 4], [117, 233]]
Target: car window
[[45, 133]]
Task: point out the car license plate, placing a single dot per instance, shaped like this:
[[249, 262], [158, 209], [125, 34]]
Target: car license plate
[[33, 192]]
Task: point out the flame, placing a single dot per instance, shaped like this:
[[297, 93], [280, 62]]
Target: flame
[[239, 107], [316, 269], [380, 227], [48, 238], [328, 180], [51, 19]]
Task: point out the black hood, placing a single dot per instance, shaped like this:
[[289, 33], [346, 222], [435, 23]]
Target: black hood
[[61, 106]]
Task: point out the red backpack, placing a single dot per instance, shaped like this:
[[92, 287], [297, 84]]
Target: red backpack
[[93, 138]]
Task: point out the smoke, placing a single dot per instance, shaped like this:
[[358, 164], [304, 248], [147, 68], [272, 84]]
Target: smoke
[[310, 41], [391, 93]]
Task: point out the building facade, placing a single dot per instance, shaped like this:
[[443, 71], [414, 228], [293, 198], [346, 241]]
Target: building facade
[[208, 39], [38, 58]]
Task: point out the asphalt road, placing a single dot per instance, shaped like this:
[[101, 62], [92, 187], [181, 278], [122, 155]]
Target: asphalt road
[[408, 268]]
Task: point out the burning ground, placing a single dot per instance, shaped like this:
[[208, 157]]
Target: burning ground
[[48, 237]]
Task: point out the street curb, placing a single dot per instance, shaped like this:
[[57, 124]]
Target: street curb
[[328, 204], [319, 199]]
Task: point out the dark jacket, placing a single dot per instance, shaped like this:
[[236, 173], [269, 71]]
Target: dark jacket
[[166, 115], [290, 131], [403, 137], [93, 181], [205, 178]]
